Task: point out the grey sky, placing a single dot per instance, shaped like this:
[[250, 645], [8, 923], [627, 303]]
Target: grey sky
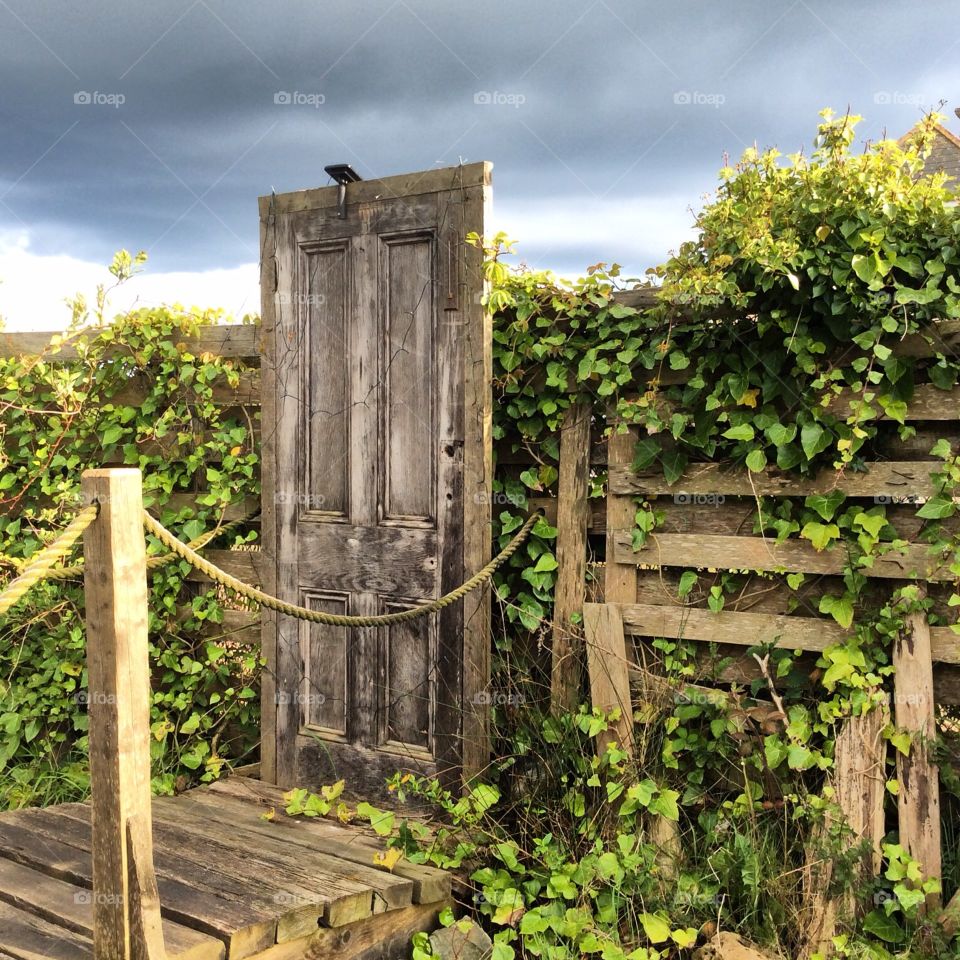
[[587, 122]]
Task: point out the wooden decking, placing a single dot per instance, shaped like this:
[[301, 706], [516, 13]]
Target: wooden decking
[[231, 884]]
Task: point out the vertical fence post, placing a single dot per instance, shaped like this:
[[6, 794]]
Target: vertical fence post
[[570, 592], [126, 904], [918, 798]]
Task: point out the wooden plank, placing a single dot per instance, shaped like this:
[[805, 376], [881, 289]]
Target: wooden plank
[[566, 651], [224, 817], [297, 898], [620, 580], [918, 800], [383, 937], [246, 565], [353, 843], [891, 479], [477, 489], [928, 403], [245, 393], [268, 487], [28, 937], [608, 667], [762, 553], [126, 904], [228, 340], [195, 896], [71, 907]]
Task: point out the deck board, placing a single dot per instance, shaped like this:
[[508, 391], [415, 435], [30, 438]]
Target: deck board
[[231, 884], [71, 907]]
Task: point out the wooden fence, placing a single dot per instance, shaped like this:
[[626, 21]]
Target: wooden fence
[[239, 342], [708, 519]]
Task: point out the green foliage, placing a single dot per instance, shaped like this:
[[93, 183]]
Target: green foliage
[[784, 316], [134, 396]]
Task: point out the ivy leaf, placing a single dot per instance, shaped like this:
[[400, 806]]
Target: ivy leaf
[[840, 608], [674, 463], [756, 461], [781, 434], [665, 804], [883, 927], [825, 504], [814, 439], [688, 580], [820, 534], [656, 928], [936, 508], [743, 431]]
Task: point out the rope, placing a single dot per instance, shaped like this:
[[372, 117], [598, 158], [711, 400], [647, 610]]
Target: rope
[[319, 616], [153, 563], [39, 567]]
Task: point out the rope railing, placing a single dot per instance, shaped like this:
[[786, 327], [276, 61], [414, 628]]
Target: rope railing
[[223, 578], [40, 566]]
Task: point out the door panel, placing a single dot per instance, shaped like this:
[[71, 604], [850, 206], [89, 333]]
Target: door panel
[[377, 459]]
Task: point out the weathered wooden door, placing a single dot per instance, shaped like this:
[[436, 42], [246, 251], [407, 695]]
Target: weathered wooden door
[[376, 495]]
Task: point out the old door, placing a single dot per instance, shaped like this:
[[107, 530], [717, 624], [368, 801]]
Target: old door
[[376, 451]]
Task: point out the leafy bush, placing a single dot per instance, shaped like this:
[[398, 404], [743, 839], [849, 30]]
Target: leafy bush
[[134, 396]]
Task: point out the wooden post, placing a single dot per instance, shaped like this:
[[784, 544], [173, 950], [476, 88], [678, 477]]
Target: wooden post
[[918, 799], [859, 783], [126, 904], [572, 518], [609, 671], [620, 581]]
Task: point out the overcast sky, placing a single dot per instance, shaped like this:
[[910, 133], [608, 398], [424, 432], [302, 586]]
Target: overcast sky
[[156, 125]]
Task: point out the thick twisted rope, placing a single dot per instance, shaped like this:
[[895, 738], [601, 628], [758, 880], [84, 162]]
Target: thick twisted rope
[[40, 566], [153, 563], [332, 619]]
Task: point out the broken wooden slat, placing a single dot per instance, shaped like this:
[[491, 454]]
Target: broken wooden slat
[[609, 672], [761, 553], [918, 799], [565, 674]]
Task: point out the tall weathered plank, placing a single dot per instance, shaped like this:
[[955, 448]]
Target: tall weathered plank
[[620, 580], [126, 906], [918, 800], [609, 670], [565, 674]]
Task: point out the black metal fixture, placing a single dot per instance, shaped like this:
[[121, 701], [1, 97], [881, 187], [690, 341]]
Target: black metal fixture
[[342, 174]]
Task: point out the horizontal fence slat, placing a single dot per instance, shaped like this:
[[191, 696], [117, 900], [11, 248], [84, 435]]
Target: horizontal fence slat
[[237, 340], [811, 634], [757, 553], [245, 565], [928, 403], [893, 480], [245, 393]]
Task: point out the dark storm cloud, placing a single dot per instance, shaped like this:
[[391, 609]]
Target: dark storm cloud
[[576, 103]]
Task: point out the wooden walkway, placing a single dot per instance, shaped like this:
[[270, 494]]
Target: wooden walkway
[[231, 884]]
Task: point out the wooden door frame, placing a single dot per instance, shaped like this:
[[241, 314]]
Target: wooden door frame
[[280, 724]]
